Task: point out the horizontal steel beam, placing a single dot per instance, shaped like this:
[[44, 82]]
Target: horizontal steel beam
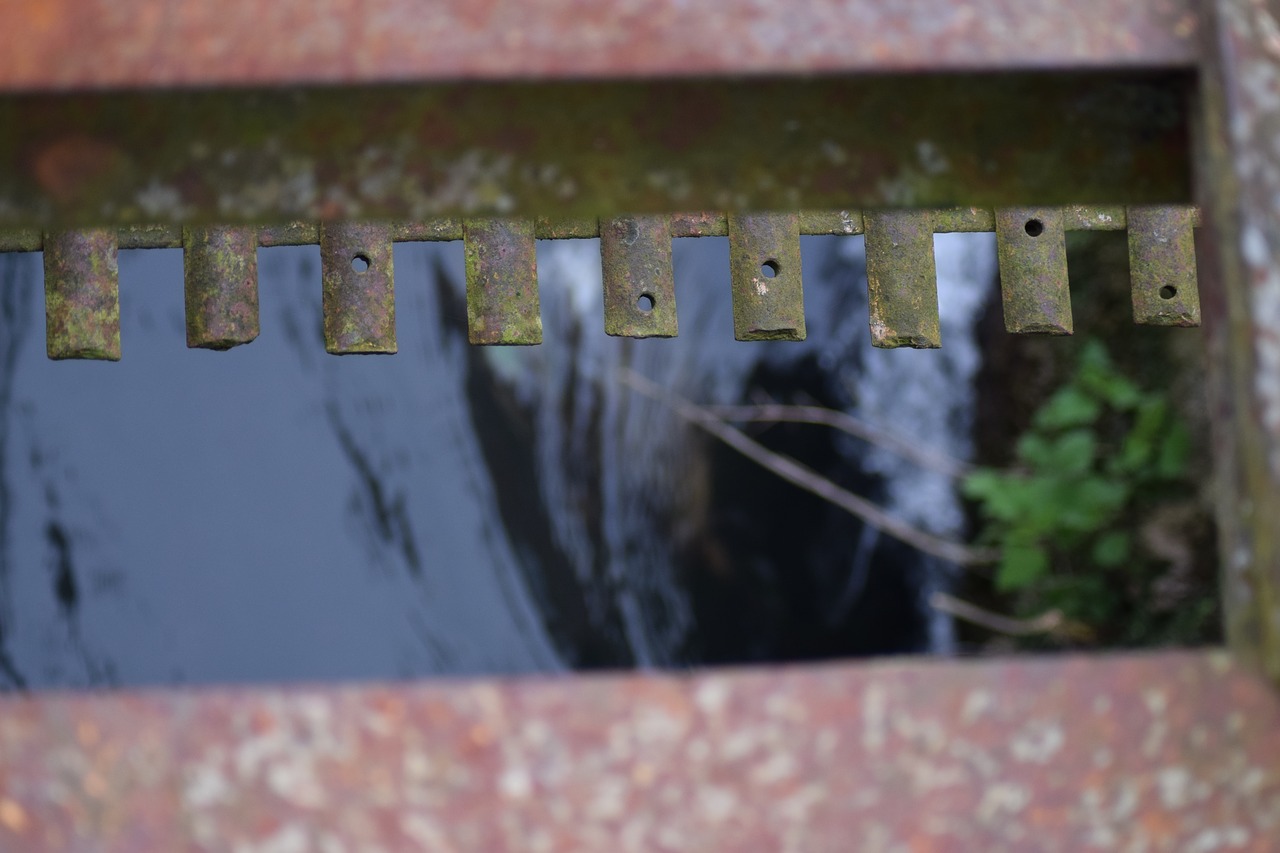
[[94, 44], [592, 149], [1171, 751]]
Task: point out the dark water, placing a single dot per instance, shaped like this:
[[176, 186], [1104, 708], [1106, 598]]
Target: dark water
[[275, 513]]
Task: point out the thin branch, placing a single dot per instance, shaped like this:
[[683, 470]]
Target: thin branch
[[809, 480], [1049, 622], [928, 459]]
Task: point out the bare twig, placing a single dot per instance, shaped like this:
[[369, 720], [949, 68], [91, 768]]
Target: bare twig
[[931, 460], [1049, 622], [812, 482]]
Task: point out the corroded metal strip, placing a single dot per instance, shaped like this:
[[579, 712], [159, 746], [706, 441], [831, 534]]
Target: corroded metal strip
[[764, 271], [65, 44], [1158, 751], [82, 294], [261, 157], [902, 284], [502, 282], [359, 288], [1162, 266], [1240, 186], [639, 285], [220, 280], [1033, 271]]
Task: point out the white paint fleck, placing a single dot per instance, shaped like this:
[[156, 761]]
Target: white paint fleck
[[1002, 798], [977, 703], [515, 783], [1037, 742]]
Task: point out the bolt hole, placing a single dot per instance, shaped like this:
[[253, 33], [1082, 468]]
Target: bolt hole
[[360, 263], [1168, 291], [770, 268], [1034, 227], [645, 303]]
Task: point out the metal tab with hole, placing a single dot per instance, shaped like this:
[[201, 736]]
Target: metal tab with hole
[[359, 288], [639, 285], [502, 282], [1032, 248], [220, 284], [82, 294], [902, 285], [1162, 266], [764, 269]]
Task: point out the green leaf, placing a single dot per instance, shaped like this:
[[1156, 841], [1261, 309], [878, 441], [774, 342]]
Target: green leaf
[[1070, 407], [1112, 549], [1020, 565], [1072, 453], [1175, 450]]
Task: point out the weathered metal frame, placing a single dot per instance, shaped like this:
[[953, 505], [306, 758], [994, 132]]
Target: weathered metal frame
[[1096, 759]]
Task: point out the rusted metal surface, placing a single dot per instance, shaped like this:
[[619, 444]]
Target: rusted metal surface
[[82, 295], [502, 282], [619, 148], [1032, 248], [1174, 751], [639, 284], [63, 44], [1162, 267], [837, 223], [1240, 184], [902, 286], [359, 288], [764, 272], [220, 281]]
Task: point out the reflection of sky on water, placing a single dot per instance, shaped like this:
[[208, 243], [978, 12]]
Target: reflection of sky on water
[[275, 513]]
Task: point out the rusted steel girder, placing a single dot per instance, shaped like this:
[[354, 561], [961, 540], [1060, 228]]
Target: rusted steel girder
[[1240, 184], [587, 150], [78, 44], [1172, 751]]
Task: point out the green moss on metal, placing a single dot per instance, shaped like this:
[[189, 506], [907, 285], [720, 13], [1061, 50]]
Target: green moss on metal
[[502, 282], [639, 284], [359, 288], [1162, 266], [220, 286], [902, 287], [765, 275], [82, 296], [1034, 287], [626, 147]]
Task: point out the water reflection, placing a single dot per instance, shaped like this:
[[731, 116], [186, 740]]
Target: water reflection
[[275, 513]]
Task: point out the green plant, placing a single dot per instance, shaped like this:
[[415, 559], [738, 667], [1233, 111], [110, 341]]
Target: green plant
[[1101, 458]]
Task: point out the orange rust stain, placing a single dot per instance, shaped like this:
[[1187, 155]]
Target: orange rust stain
[[13, 816], [65, 168]]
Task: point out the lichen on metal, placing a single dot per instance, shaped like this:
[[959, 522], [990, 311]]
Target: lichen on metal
[[764, 274], [1034, 288], [502, 282], [1162, 266], [359, 288], [82, 294], [1240, 188], [639, 284], [220, 285], [411, 153], [902, 287]]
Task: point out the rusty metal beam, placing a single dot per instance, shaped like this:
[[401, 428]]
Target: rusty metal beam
[[79, 44], [1163, 752], [1240, 184], [586, 150]]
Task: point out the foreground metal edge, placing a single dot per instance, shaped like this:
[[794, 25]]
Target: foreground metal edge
[[1239, 181], [1156, 751], [64, 44]]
